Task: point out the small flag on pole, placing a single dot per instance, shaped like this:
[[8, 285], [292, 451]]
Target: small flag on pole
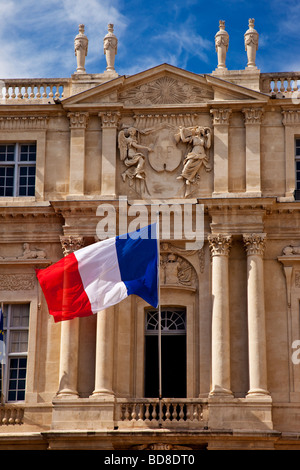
[[102, 274], [2, 343]]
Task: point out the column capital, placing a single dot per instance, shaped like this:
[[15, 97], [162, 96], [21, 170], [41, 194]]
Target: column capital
[[291, 117], [109, 118], [219, 244], [71, 243], [253, 115], [221, 116], [78, 120], [254, 243]]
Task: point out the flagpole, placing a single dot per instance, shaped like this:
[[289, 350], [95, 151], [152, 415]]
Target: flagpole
[[159, 324]]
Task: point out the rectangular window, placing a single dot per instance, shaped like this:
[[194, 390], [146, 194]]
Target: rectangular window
[[16, 329], [17, 169]]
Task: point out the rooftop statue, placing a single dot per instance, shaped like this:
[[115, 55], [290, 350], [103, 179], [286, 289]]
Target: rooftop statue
[[222, 42], [110, 44], [81, 49], [251, 43]]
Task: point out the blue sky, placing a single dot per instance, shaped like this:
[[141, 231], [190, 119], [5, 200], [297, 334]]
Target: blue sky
[[37, 37]]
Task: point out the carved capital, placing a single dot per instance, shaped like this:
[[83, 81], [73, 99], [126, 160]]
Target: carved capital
[[221, 116], [110, 119], [78, 120], [291, 117], [253, 115], [219, 244], [254, 243], [71, 243]]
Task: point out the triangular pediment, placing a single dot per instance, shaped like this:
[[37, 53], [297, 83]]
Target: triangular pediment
[[164, 86]]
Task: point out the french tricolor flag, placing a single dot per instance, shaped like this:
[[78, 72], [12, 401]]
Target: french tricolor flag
[[102, 274]]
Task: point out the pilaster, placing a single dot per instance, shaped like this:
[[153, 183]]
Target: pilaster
[[109, 138], [78, 125], [253, 119], [221, 118]]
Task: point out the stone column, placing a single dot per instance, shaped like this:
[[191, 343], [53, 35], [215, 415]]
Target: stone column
[[221, 126], [69, 339], [253, 118], [109, 152], [220, 246], [255, 244], [78, 124], [104, 353]]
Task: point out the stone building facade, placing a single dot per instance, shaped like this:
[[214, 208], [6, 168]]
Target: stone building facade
[[73, 149]]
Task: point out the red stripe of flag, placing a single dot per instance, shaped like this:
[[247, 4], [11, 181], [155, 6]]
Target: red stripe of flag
[[63, 289]]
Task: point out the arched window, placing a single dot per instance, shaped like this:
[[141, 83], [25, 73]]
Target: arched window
[[173, 346]]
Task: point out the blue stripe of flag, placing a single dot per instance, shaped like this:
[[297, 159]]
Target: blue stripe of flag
[[139, 264]]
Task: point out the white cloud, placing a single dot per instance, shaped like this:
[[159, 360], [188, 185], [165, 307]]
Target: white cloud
[[37, 38]]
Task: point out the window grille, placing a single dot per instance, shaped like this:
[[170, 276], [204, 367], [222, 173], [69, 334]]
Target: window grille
[[173, 321]]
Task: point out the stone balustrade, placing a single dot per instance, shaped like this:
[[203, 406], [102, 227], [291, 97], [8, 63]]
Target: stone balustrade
[[284, 84], [169, 412], [39, 90], [11, 414]]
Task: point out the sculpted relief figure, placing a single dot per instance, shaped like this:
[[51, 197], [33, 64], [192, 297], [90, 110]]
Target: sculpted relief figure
[[131, 155], [291, 250], [199, 140], [29, 253]]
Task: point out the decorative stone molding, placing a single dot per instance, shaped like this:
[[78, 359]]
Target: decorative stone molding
[[254, 243], [81, 49], [176, 271], [23, 122], [297, 278], [219, 244], [71, 243], [165, 90], [78, 120], [109, 119], [291, 117], [221, 116], [253, 115], [13, 282], [167, 247], [144, 121], [221, 43]]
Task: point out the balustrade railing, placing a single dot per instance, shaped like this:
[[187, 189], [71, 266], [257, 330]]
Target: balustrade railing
[[37, 90], [171, 412], [282, 84], [10, 414]]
